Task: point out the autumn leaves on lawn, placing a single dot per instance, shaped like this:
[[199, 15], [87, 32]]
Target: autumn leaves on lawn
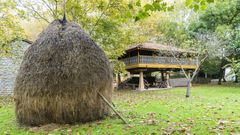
[[59, 78]]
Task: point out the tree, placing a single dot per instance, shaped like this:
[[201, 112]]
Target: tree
[[199, 56], [221, 19], [210, 67], [105, 21], [10, 30], [144, 10]]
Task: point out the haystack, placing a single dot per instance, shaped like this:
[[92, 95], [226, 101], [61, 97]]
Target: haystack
[[59, 78]]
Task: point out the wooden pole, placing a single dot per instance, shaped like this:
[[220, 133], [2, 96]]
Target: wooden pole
[[111, 106]]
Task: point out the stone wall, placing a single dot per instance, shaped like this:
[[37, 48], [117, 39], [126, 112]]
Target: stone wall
[[178, 82], [9, 66]]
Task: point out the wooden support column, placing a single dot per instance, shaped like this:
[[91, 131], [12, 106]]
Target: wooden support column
[[128, 74], [167, 80], [129, 62], [162, 76], [138, 57], [141, 82]]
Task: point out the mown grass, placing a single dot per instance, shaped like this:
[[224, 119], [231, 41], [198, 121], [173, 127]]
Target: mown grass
[[211, 109]]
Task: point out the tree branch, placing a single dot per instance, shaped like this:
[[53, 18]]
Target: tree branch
[[33, 9], [48, 6], [179, 63], [90, 33], [19, 39]]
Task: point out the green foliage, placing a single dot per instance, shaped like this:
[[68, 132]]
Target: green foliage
[[146, 10], [221, 21], [159, 5], [118, 67], [106, 21], [198, 4], [211, 66], [174, 33], [9, 27]]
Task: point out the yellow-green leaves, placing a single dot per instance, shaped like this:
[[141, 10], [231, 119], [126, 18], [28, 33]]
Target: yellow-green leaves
[[9, 27], [198, 4], [144, 10]]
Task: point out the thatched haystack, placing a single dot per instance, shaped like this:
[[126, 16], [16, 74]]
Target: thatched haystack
[[59, 78]]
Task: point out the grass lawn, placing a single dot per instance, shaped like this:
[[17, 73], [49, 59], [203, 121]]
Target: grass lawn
[[211, 109]]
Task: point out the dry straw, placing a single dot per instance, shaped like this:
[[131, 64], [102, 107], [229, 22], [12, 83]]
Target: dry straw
[[59, 78]]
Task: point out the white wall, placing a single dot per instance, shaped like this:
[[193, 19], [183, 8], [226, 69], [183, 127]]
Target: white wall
[[229, 76]]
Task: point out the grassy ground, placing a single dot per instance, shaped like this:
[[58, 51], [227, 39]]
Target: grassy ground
[[209, 110]]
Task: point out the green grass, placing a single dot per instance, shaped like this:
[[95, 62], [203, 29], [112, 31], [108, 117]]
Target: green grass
[[211, 109]]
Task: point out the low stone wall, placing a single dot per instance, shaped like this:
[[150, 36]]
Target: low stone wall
[[201, 80], [178, 82]]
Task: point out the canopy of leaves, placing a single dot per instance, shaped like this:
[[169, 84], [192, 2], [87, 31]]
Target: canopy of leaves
[[222, 19], [108, 22], [9, 27], [144, 10]]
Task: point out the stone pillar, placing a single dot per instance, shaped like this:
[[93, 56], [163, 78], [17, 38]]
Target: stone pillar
[[167, 80], [141, 82]]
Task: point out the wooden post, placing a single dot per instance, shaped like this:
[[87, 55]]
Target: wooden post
[[128, 74], [153, 61], [162, 76], [129, 58], [167, 80], [138, 57], [141, 82]]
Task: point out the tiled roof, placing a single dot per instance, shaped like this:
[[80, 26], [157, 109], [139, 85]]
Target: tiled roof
[[156, 46]]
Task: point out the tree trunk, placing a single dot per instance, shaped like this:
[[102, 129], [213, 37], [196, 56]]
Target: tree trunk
[[236, 78], [224, 80], [206, 75], [221, 72], [188, 89]]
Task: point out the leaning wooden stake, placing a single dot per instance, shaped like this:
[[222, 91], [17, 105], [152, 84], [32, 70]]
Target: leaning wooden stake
[[110, 105]]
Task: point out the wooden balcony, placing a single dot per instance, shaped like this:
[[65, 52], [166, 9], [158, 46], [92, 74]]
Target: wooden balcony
[[142, 61]]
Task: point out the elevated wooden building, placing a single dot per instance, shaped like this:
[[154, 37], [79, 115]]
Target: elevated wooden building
[[151, 57]]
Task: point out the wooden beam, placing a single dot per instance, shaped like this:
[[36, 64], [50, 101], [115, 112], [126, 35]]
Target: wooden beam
[[160, 66]]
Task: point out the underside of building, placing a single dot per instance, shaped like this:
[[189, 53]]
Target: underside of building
[[143, 59]]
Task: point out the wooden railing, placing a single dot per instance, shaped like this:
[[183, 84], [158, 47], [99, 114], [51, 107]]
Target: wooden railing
[[157, 60]]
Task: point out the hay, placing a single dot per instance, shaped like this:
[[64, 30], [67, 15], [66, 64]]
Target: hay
[[59, 78]]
